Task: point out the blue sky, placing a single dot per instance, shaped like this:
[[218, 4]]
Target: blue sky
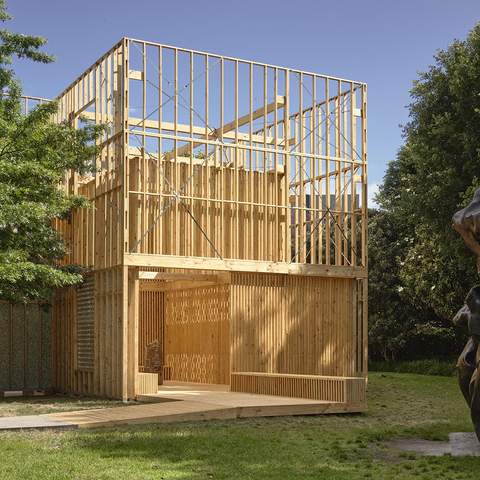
[[384, 43]]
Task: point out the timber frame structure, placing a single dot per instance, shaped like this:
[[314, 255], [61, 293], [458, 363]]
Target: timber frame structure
[[229, 224]]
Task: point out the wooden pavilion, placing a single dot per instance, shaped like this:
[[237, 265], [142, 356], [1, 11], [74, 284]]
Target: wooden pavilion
[[228, 227]]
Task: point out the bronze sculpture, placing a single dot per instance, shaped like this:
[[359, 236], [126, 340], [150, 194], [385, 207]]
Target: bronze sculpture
[[467, 223]]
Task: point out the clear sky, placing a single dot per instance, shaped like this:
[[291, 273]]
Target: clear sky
[[381, 42]]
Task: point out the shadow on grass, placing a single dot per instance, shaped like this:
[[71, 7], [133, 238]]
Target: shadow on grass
[[275, 448], [235, 449], [310, 447]]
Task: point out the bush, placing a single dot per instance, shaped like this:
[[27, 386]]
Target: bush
[[439, 367]]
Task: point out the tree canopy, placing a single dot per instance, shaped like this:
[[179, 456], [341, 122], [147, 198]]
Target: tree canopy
[[417, 260], [35, 153]]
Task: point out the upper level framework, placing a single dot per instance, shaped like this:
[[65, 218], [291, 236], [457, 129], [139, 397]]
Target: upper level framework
[[223, 162]]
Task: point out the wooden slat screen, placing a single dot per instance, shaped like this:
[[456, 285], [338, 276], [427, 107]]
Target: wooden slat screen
[[85, 324]]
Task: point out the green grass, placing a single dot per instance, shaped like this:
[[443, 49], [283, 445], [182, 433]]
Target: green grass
[[38, 405], [323, 447]]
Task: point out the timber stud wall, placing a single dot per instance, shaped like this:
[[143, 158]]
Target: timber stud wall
[[213, 164]]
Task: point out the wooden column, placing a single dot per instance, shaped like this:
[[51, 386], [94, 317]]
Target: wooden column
[[130, 329]]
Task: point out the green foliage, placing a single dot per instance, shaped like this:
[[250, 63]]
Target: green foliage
[[390, 329], [35, 153], [441, 161], [432, 366], [427, 270]]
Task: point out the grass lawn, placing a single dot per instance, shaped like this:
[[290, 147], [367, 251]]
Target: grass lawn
[[322, 447], [37, 405]]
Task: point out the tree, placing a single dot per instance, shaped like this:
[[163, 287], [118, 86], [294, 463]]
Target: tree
[[434, 175], [441, 164], [35, 153], [389, 328]]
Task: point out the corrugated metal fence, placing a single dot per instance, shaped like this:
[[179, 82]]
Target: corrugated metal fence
[[25, 347]]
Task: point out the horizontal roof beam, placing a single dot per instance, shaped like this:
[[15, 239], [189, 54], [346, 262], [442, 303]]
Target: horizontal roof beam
[[204, 263]]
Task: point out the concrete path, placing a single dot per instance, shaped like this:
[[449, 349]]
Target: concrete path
[[34, 422]]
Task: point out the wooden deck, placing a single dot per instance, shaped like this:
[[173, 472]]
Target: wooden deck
[[182, 402]]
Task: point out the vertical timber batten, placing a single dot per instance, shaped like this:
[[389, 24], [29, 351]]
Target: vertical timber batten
[[128, 283], [213, 164]]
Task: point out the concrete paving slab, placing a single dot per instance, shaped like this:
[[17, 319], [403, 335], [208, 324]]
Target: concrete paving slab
[[426, 448], [460, 444], [464, 444]]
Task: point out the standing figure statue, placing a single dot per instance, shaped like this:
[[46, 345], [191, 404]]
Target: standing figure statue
[[467, 223]]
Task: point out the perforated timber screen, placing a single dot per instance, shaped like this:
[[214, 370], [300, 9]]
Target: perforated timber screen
[[85, 327]]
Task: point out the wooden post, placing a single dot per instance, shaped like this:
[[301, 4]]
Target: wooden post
[[131, 312]]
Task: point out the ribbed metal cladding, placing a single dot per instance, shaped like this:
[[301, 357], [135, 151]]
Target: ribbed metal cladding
[[85, 324]]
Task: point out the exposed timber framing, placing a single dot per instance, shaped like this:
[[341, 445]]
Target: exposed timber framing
[[229, 225]]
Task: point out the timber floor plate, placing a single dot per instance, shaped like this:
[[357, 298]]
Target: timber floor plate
[[184, 402]]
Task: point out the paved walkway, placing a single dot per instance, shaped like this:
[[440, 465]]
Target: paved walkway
[[179, 402], [36, 422]]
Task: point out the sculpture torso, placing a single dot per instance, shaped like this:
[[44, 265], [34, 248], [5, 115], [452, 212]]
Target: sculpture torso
[[467, 223]]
